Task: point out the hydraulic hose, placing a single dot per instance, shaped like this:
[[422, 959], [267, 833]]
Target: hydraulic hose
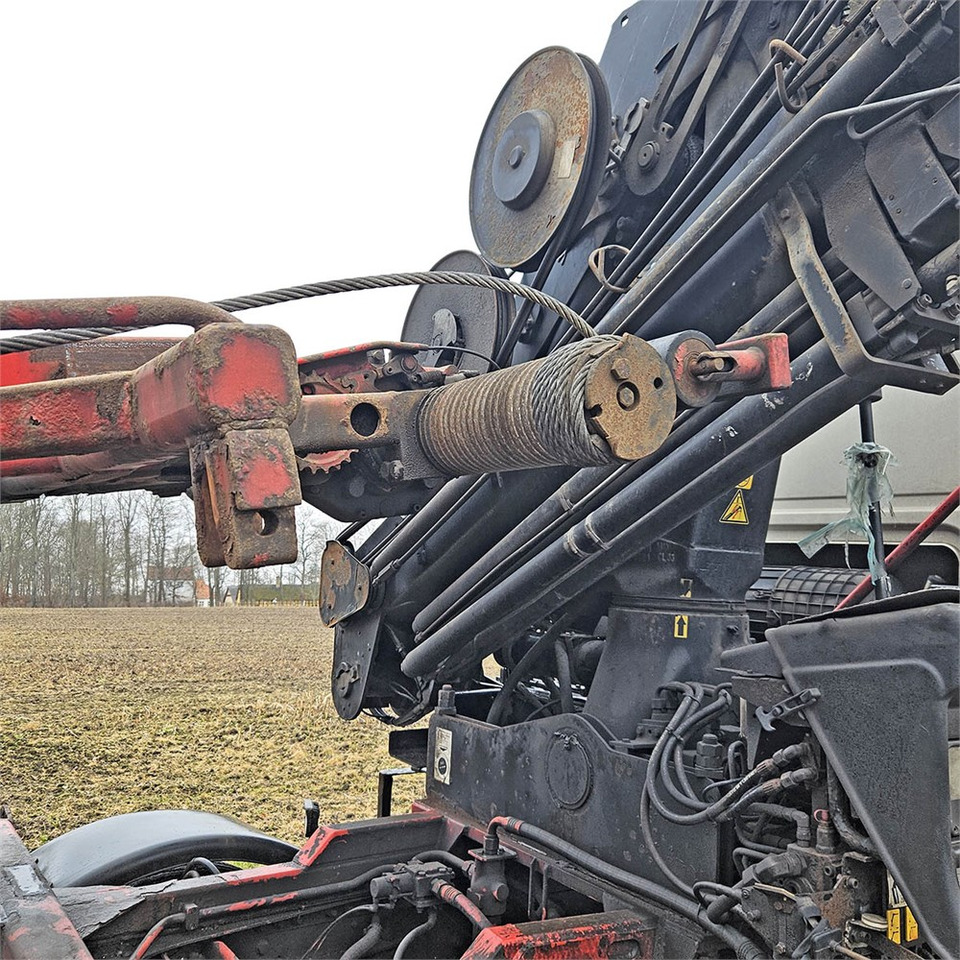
[[523, 668], [791, 815], [564, 678], [366, 943], [424, 927], [448, 893], [840, 817]]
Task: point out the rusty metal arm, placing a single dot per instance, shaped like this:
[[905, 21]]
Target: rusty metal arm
[[121, 312], [218, 376], [223, 396]]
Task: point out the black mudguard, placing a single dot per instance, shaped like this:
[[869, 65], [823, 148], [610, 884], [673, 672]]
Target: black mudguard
[[137, 846]]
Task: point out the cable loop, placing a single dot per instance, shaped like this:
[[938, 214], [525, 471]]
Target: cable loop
[[596, 263]]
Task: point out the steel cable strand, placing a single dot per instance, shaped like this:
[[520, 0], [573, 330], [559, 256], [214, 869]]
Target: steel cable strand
[[53, 338], [565, 424], [426, 278]]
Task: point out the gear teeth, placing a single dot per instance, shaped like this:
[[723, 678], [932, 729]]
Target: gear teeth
[[324, 462]]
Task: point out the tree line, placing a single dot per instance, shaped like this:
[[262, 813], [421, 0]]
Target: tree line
[[122, 549]]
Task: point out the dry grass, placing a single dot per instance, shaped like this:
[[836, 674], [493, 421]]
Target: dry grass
[[111, 711]]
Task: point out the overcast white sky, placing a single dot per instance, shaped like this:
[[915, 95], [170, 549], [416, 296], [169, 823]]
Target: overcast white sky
[[214, 149]]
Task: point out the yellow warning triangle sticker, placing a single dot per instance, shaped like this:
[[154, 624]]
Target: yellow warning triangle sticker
[[745, 484], [736, 511]]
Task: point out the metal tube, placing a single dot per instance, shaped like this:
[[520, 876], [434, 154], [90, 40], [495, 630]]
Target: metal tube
[[868, 435], [130, 312], [906, 546]]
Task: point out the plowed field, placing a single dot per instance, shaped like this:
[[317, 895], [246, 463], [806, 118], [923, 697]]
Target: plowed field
[[227, 709]]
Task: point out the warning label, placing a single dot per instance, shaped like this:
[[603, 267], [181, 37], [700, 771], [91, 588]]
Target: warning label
[[746, 484], [681, 624], [442, 755], [736, 511]]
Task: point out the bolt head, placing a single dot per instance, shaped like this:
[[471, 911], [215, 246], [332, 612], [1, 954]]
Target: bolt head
[[621, 369], [516, 156], [627, 396]]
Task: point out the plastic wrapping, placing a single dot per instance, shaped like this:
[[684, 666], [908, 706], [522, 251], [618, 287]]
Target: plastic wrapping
[[867, 483]]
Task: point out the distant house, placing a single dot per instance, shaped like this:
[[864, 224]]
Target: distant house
[[201, 593], [172, 584], [271, 595]]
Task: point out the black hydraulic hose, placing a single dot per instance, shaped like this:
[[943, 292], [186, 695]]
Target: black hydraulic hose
[[366, 943], [744, 947], [840, 817], [721, 889], [563, 675], [522, 669], [421, 524], [753, 781], [650, 846], [424, 927], [780, 812], [745, 853], [448, 893], [200, 863], [754, 847], [683, 731], [361, 908], [684, 794]]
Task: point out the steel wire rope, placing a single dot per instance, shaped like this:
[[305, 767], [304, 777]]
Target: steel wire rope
[[415, 279], [53, 338]]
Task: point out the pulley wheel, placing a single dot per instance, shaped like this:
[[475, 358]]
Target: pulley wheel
[[540, 159], [448, 317]]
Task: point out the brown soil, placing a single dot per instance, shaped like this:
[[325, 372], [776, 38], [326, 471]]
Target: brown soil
[[228, 710]]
